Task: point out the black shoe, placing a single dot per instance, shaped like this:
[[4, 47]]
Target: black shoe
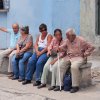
[[41, 86], [37, 83], [58, 88], [26, 82], [51, 88], [15, 78], [74, 89], [21, 80]]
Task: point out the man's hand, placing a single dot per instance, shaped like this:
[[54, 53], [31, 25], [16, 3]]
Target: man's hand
[[4, 29], [86, 54]]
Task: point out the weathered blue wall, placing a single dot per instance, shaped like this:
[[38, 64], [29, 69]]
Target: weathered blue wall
[[66, 13], [55, 13], [32, 13], [3, 36]]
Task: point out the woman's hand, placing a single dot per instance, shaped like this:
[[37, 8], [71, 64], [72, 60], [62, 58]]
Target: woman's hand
[[48, 53], [17, 52], [53, 62], [38, 53]]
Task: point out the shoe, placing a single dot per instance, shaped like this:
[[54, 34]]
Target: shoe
[[15, 78], [74, 89], [26, 82], [41, 86], [21, 80], [51, 88], [10, 74], [10, 77], [37, 83], [58, 88]]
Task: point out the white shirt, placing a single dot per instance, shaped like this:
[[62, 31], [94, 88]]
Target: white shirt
[[42, 43]]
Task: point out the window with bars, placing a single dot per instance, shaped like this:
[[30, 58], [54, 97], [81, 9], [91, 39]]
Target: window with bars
[[4, 5], [1, 5]]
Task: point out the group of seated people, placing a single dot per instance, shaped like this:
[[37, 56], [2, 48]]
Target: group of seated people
[[24, 61]]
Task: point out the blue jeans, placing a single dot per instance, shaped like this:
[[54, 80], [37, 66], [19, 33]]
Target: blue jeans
[[19, 65], [36, 64]]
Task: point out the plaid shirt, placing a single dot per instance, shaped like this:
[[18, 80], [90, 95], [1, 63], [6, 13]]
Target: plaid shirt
[[77, 48], [54, 44]]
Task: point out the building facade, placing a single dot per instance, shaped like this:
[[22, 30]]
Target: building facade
[[79, 14]]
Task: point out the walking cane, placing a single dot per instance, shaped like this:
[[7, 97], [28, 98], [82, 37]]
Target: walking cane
[[59, 72]]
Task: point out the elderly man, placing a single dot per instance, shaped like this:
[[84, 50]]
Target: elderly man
[[14, 35], [77, 52]]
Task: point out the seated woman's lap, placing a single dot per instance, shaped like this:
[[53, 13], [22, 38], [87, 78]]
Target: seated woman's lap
[[43, 58]]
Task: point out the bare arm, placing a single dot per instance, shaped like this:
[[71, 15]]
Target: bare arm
[[17, 47], [28, 45], [3, 29], [36, 44]]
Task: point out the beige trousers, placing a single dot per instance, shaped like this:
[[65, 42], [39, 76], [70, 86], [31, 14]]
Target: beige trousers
[[10, 69], [75, 71], [64, 66], [46, 70], [7, 53], [55, 71]]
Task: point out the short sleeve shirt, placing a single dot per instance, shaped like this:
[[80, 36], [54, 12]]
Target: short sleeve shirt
[[13, 38], [23, 43]]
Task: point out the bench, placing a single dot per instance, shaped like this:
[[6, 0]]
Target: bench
[[85, 73]]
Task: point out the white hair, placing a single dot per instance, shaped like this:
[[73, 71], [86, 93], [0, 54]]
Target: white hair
[[71, 30]]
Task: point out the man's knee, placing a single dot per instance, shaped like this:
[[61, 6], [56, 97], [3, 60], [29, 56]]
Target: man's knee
[[13, 60], [11, 56]]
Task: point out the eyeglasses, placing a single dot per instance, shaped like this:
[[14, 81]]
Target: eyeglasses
[[43, 30]]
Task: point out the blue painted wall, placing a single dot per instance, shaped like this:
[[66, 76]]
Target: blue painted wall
[[55, 13], [66, 13], [3, 36]]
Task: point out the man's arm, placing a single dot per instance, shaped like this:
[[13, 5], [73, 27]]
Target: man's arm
[[88, 50], [87, 47], [3, 29]]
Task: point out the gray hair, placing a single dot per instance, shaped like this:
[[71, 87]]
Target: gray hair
[[71, 30]]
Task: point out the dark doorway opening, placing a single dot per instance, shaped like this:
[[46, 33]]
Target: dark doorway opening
[[1, 4], [98, 17]]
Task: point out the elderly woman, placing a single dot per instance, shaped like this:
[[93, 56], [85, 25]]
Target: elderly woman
[[77, 52], [23, 53], [39, 58], [53, 60]]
